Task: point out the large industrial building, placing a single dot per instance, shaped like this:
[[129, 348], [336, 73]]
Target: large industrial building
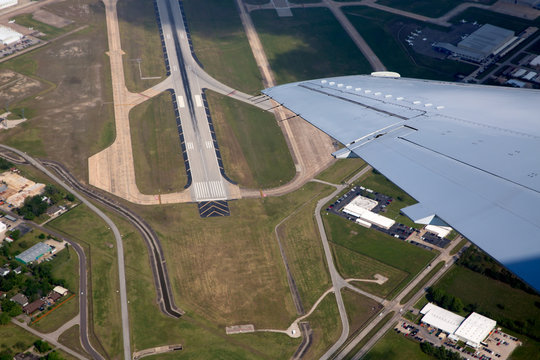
[[34, 253], [7, 3], [472, 330], [487, 41], [9, 36], [360, 207]]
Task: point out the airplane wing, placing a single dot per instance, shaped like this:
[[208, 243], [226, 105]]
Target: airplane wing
[[469, 154]]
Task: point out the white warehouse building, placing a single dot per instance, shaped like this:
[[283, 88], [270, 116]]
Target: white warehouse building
[[7, 3], [360, 207], [9, 36], [472, 330]]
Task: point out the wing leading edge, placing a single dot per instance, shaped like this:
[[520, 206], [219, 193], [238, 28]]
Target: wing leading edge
[[467, 153]]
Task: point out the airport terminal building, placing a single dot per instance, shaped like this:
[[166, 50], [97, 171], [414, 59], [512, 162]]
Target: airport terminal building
[[487, 41], [472, 330]]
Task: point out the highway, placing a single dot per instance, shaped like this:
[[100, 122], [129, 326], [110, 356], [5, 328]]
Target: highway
[[119, 246], [207, 180]]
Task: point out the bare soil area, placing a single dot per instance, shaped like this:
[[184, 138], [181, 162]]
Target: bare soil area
[[50, 19], [15, 87]]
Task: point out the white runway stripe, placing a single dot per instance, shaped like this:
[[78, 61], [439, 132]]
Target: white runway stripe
[[189, 146], [209, 145], [198, 100], [174, 68], [181, 102]]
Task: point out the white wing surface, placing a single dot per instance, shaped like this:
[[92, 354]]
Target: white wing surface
[[469, 154]]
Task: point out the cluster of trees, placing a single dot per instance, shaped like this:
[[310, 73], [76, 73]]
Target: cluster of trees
[[42, 281], [41, 346], [10, 308], [34, 206], [5, 165], [439, 352], [480, 262], [444, 300]]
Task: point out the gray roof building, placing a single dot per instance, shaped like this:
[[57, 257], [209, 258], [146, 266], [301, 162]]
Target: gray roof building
[[20, 299], [34, 253], [484, 42]]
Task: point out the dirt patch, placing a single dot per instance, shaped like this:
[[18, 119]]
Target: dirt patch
[[15, 87], [51, 19], [72, 49]]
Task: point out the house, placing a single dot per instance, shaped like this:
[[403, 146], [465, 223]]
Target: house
[[54, 296], [20, 299], [17, 270], [4, 271], [54, 210], [60, 290], [33, 307]]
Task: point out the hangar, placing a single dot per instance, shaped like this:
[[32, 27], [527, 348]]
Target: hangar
[[7, 3], [471, 330], [360, 208], [34, 253], [9, 36]]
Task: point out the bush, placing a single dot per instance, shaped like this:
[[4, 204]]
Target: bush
[[42, 346]]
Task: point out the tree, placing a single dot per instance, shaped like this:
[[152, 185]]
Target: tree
[[4, 318], [42, 346], [6, 355], [53, 355], [15, 234], [70, 197]]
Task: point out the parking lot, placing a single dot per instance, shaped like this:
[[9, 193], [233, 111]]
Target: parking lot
[[24, 43]]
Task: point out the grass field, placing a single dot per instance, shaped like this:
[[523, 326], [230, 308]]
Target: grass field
[[221, 44], [492, 297], [311, 44], [326, 326], [374, 24], [65, 266], [300, 238], [352, 264], [489, 17], [359, 309], [15, 338], [83, 226], [377, 182], [73, 118], [251, 143], [157, 155], [139, 34], [381, 247], [341, 170], [428, 8], [50, 31], [422, 283], [369, 335], [70, 338], [393, 346], [228, 269]]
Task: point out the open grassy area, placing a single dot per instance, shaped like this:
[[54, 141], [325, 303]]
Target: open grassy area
[[83, 226], [393, 346], [326, 326], [375, 24], [70, 338], [489, 17], [422, 282], [493, 298], [228, 269], [379, 183], [311, 44], [221, 44], [15, 338], [458, 246], [352, 264], [369, 335], [300, 238], [157, 155], [50, 31], [72, 119], [251, 143], [65, 266], [139, 34], [427, 7], [421, 303], [341, 170], [359, 309], [379, 246]]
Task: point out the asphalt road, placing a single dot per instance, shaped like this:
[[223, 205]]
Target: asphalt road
[[119, 246]]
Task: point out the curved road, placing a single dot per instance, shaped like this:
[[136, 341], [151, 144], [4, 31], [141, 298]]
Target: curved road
[[117, 236]]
